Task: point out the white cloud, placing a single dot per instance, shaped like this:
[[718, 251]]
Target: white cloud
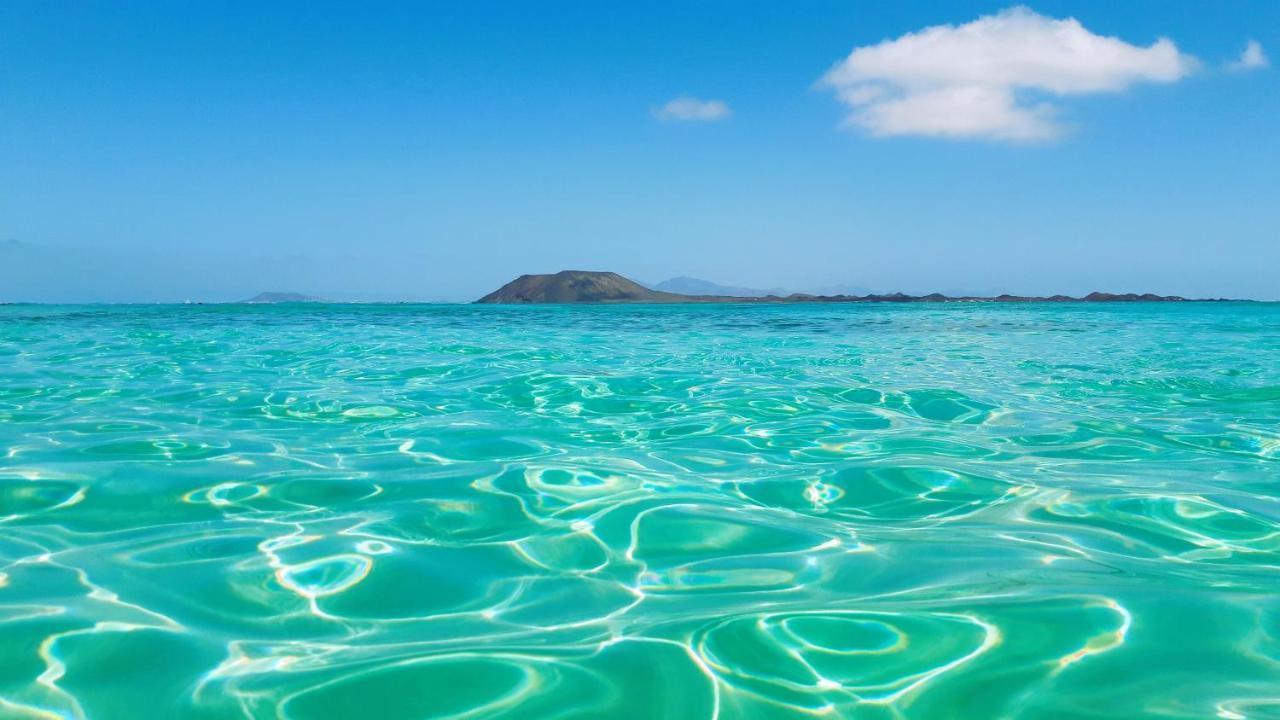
[[1251, 59], [997, 77], [690, 109]]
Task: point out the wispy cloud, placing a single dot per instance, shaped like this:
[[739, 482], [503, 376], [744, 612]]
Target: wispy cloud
[[1253, 58], [999, 77], [691, 109]]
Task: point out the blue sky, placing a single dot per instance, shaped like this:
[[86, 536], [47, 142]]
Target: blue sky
[[207, 151]]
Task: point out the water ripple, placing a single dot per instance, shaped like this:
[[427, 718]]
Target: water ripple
[[872, 511]]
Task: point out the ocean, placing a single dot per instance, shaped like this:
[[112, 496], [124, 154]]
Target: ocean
[[969, 510]]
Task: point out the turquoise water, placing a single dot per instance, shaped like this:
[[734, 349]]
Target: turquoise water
[[880, 511]]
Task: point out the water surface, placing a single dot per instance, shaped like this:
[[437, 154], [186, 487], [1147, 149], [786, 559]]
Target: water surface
[[879, 511]]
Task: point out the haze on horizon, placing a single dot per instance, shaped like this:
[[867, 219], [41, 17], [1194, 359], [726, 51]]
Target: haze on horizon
[[165, 152]]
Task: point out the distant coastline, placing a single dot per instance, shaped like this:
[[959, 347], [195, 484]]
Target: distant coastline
[[272, 298], [571, 287], [582, 287]]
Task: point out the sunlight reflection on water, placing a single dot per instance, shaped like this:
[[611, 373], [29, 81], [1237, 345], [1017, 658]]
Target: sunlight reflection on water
[[653, 512]]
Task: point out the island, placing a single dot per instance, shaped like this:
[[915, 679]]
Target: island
[[586, 286]]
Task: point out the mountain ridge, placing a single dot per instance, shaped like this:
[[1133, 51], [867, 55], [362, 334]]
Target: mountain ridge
[[685, 285]]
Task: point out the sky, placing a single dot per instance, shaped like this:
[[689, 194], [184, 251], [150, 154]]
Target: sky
[[162, 152]]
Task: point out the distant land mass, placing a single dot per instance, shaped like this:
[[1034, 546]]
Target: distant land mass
[[281, 297], [696, 286], [583, 286], [577, 286]]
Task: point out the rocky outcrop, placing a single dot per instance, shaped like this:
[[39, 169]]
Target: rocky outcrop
[[577, 286], [581, 286]]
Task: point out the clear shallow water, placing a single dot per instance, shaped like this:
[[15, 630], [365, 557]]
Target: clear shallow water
[[880, 511]]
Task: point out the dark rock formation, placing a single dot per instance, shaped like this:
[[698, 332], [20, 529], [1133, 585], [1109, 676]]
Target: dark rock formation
[[577, 286], [580, 286], [1130, 297]]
